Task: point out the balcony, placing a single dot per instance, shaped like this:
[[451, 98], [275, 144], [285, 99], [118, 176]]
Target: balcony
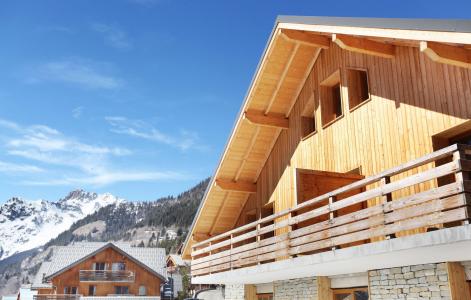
[[106, 276], [57, 297], [80, 297], [411, 208]]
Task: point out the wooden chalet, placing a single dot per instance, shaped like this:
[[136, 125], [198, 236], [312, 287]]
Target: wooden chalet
[[347, 170], [101, 271]]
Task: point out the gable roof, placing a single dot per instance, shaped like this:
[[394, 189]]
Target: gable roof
[[275, 87], [65, 257], [177, 260]]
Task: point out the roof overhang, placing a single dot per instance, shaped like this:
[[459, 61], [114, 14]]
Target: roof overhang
[[292, 50]]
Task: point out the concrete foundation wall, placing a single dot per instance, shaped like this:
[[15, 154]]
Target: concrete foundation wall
[[234, 292], [424, 282], [295, 289]]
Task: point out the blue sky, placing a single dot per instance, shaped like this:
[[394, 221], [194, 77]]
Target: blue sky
[[137, 97]]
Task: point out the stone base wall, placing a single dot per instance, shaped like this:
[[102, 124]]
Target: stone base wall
[[295, 289], [234, 292], [421, 282]]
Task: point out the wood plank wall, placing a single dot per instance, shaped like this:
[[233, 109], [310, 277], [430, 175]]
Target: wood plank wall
[[412, 99], [70, 278]]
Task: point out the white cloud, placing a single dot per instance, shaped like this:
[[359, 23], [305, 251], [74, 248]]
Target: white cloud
[[140, 129], [6, 167], [113, 36], [77, 112], [106, 178], [84, 73], [68, 161]]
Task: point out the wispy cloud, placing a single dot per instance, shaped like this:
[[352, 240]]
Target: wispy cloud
[[184, 140], [6, 167], [75, 163], [106, 178], [113, 36], [80, 72], [77, 112]]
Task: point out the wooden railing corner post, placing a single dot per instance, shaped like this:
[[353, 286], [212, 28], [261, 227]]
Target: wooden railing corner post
[[459, 155]]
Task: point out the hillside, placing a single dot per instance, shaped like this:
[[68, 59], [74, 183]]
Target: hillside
[[160, 223]]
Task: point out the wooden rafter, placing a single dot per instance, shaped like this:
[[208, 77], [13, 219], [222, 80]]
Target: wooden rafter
[[282, 78], [312, 39], [269, 120], [447, 54], [236, 186], [364, 46], [218, 214]]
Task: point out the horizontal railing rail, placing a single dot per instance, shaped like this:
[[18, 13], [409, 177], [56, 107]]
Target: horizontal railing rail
[[106, 275], [286, 234]]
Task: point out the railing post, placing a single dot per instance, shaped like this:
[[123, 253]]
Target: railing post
[[387, 197], [210, 252], [461, 176], [230, 253], [257, 239], [332, 214]]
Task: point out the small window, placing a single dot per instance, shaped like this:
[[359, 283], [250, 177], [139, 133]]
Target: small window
[[99, 266], [119, 266], [142, 290], [308, 119], [358, 89], [121, 290], [331, 99], [73, 290], [91, 290], [66, 290]]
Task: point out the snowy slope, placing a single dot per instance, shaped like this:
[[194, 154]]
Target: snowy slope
[[26, 225]]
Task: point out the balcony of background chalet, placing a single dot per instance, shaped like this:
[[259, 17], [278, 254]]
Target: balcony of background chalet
[[106, 275], [81, 297], [425, 196]]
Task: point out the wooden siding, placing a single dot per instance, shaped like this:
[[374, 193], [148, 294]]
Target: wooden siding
[[70, 278], [412, 99]]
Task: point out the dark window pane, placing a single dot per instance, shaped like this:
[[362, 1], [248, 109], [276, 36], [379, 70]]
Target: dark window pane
[[361, 295]]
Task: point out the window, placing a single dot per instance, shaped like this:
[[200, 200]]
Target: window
[[308, 118], [73, 290], [268, 296], [142, 290], [358, 89], [66, 290], [99, 266], [119, 266], [331, 99], [351, 294], [91, 290], [121, 290]]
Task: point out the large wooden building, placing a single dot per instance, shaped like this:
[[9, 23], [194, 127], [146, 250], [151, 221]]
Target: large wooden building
[[110, 270], [344, 175]]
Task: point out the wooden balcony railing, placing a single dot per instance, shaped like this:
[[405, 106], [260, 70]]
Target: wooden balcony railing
[[106, 275], [404, 200]]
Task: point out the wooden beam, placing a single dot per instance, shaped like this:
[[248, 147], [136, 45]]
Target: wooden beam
[[459, 289], [446, 54], [316, 40], [364, 46], [236, 186], [269, 120]]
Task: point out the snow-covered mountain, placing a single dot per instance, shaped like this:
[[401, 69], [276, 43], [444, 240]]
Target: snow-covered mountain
[[26, 225]]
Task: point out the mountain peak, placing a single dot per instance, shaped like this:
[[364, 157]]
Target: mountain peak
[[28, 224]]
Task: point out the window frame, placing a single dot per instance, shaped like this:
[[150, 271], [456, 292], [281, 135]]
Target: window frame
[[139, 290], [350, 291], [353, 108], [311, 101], [331, 81]]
